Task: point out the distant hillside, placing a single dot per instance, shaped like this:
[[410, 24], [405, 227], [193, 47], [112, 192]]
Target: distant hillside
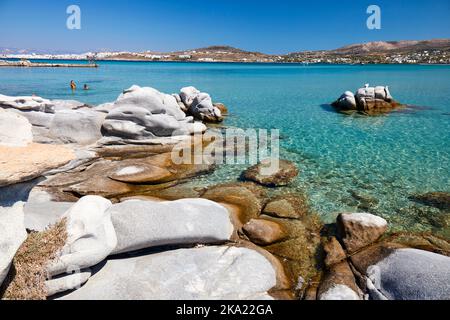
[[435, 51], [394, 46]]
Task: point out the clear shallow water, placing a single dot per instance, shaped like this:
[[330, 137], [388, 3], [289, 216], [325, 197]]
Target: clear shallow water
[[346, 163]]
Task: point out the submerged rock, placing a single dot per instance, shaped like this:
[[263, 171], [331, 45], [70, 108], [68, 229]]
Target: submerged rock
[[358, 230], [440, 200], [213, 273], [12, 235], [246, 197], [272, 173], [292, 206]]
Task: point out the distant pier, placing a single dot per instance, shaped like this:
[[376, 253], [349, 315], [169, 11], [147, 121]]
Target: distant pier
[[29, 64]]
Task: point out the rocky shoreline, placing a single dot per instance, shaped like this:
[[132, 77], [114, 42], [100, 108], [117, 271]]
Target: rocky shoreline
[[93, 207]]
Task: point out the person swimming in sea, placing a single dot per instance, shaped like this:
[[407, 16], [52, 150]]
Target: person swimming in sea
[[85, 87], [73, 86]]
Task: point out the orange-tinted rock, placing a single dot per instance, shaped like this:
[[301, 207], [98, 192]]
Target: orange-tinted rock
[[287, 206], [264, 232], [358, 230], [334, 252], [272, 174]]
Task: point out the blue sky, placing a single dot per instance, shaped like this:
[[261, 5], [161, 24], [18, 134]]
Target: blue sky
[[267, 26]]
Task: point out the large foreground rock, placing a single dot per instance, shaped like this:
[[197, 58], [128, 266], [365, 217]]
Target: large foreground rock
[[19, 164], [272, 172], [410, 274], [15, 130], [143, 224], [358, 230], [188, 274], [12, 235], [90, 235]]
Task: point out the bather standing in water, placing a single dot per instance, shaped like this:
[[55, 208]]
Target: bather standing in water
[[73, 86]]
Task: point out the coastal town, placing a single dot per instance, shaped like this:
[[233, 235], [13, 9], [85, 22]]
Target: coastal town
[[398, 52]]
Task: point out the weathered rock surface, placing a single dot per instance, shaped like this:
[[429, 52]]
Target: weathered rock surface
[[185, 274], [12, 235], [334, 252], [291, 206], [358, 230], [19, 164], [77, 126], [90, 235], [410, 274], [15, 130], [272, 172], [143, 173], [264, 232], [247, 197], [144, 224], [66, 283], [26, 103], [40, 215], [339, 284], [200, 105], [150, 99]]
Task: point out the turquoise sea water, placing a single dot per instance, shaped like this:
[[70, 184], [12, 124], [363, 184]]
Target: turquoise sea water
[[347, 163]]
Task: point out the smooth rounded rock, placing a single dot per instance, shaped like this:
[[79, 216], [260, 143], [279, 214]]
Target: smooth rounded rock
[[264, 232], [15, 130], [410, 274], [210, 273], [12, 235], [143, 224], [358, 230], [90, 235]]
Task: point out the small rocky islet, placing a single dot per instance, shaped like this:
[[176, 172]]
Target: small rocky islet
[[92, 207]]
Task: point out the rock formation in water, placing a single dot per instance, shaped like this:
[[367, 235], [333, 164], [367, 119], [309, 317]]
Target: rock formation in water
[[368, 100]]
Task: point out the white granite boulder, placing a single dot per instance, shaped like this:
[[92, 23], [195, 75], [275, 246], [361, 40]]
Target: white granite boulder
[[90, 235], [187, 95], [143, 224], [339, 292], [26, 103], [200, 105], [15, 130], [77, 126], [214, 273], [410, 274], [151, 99], [134, 122], [12, 235]]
